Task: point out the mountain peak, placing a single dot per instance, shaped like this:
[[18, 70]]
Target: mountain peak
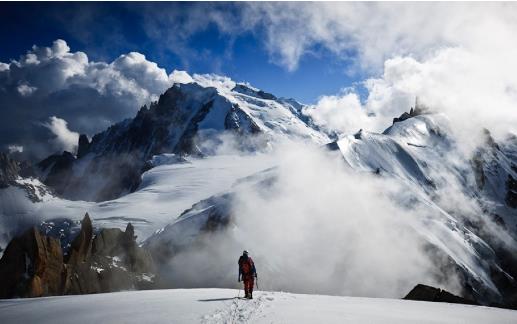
[[253, 92], [189, 118]]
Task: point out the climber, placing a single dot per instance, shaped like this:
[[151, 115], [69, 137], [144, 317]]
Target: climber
[[248, 273]]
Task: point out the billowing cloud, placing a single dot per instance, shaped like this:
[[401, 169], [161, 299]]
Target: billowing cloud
[[65, 139], [180, 77], [89, 96], [342, 113]]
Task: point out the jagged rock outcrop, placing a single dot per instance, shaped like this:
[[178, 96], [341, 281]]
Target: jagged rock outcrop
[[58, 169], [33, 264], [110, 261], [245, 89], [427, 293], [81, 246], [83, 146], [419, 109]]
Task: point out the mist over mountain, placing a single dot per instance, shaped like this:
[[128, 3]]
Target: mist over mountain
[[361, 150]]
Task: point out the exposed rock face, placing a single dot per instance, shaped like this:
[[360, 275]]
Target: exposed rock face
[[21, 175], [418, 110], [9, 169], [84, 145], [111, 261], [59, 171], [432, 294], [81, 246], [32, 264], [242, 88], [511, 191]]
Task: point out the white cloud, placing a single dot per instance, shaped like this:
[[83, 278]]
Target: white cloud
[[25, 90], [206, 80], [343, 113], [146, 74], [180, 77], [214, 80], [15, 148], [65, 139]]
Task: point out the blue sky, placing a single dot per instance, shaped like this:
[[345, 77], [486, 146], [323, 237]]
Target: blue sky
[[106, 30]]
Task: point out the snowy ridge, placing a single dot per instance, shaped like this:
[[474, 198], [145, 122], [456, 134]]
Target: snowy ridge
[[274, 116]]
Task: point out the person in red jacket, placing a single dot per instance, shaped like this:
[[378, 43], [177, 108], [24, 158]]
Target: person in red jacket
[[248, 273]]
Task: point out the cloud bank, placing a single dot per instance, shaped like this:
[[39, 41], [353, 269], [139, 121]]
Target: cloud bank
[[51, 90]]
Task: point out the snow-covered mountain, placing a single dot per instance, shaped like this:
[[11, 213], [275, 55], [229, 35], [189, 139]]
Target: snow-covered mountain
[[179, 170], [188, 119]]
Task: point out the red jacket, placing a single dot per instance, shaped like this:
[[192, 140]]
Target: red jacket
[[247, 266]]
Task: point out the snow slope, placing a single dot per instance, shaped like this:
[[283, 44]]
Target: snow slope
[[221, 306], [165, 192], [276, 117]]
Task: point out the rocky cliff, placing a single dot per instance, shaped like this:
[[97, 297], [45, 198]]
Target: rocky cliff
[[33, 264]]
